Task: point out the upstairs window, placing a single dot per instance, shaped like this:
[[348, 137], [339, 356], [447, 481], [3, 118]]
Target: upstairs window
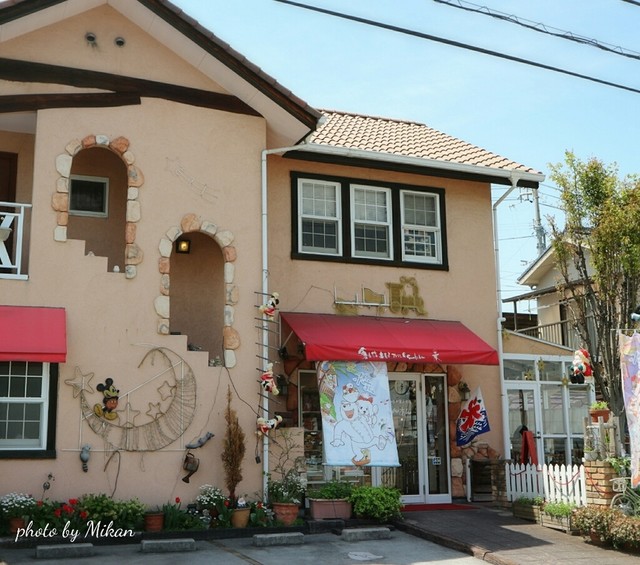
[[349, 220], [319, 221], [89, 196]]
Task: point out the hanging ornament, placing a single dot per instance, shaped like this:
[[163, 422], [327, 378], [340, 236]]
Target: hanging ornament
[[265, 426], [268, 381], [269, 309]]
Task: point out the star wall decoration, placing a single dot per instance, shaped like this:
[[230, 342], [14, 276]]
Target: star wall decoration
[[80, 382]]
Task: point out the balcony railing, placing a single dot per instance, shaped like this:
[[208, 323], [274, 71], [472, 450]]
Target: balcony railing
[[559, 333], [12, 239]]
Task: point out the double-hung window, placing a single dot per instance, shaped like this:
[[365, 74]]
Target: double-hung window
[[319, 221], [340, 219], [420, 227], [371, 222], [25, 398]]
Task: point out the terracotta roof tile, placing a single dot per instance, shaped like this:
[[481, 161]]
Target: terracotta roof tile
[[404, 138]]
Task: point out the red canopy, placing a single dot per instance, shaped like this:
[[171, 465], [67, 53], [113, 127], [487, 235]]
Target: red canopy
[[33, 334], [361, 338]]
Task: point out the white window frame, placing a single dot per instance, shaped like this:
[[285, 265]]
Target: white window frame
[[338, 218], [388, 224], [437, 230], [43, 401], [104, 181]]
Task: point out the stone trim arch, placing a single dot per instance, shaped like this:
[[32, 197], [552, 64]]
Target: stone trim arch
[[162, 304], [135, 179]]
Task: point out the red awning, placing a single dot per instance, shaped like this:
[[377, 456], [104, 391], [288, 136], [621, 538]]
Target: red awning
[[359, 338], [33, 334]]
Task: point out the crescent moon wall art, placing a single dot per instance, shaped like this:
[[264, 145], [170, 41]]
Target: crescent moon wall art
[[163, 425]]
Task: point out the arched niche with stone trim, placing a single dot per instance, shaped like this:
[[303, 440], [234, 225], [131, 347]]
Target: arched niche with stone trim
[[193, 223], [135, 179]]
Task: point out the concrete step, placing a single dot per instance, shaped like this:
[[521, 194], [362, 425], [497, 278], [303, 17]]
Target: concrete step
[[362, 534], [168, 545], [268, 540], [64, 551]]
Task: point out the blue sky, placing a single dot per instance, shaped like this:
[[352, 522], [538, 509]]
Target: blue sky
[[524, 113]]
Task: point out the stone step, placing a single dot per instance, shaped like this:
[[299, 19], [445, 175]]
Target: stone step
[[64, 550], [267, 540], [167, 545], [362, 534]]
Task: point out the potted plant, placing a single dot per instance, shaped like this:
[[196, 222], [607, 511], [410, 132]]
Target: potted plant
[[594, 522], [15, 508], [557, 515], [528, 508], [240, 512], [285, 495], [599, 409], [331, 501], [210, 498], [376, 503], [232, 455], [590, 454]]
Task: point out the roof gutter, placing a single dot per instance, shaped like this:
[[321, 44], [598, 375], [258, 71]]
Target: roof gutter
[[506, 174]]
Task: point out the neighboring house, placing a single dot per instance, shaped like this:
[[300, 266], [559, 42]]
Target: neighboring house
[[537, 363], [154, 192]]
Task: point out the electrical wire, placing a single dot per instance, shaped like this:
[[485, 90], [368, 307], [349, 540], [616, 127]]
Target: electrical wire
[[541, 28], [460, 45]]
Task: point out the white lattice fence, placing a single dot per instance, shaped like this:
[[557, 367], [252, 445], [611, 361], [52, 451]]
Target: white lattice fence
[[555, 483]]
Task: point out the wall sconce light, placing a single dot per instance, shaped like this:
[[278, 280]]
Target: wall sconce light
[[464, 390], [183, 246]]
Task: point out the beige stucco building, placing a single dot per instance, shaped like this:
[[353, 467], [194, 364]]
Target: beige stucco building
[[127, 131]]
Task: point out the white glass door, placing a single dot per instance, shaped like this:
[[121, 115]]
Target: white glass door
[[523, 415]]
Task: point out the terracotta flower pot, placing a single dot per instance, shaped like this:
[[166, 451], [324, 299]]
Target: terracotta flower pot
[[240, 517], [596, 413], [15, 523], [323, 508], [153, 521], [286, 512]]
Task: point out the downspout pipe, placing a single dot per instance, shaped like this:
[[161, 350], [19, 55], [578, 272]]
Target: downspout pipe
[[515, 177], [264, 196]]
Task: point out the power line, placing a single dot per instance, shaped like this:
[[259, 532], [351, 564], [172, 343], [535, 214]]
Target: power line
[[452, 43], [542, 28]]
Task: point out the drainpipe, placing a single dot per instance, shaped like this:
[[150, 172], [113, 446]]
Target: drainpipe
[[514, 177], [265, 287]]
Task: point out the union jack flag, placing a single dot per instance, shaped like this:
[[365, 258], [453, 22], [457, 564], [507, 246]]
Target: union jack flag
[[472, 420]]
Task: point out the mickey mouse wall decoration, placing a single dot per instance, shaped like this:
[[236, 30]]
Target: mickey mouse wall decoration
[[269, 309], [109, 402]]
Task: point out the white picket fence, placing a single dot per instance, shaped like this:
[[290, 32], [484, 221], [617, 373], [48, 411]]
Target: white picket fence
[[555, 483]]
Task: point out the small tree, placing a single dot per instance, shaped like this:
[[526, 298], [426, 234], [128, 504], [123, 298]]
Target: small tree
[[233, 448], [598, 257]]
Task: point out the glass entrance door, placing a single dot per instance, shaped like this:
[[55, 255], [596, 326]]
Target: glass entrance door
[[524, 415], [420, 421]]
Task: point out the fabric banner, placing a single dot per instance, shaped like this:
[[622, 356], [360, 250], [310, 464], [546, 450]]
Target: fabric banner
[[472, 420], [629, 365], [357, 422]]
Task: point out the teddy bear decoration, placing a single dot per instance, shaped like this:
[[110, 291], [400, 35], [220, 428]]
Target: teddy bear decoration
[[269, 308], [268, 381], [264, 426]]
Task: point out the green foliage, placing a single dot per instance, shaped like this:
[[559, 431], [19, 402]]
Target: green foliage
[[558, 509], [332, 490], [129, 514], [599, 248], [290, 488], [16, 504], [525, 501], [621, 465], [596, 519], [599, 405], [261, 516], [377, 503]]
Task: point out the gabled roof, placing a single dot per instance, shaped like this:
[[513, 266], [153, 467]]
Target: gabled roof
[[413, 141], [289, 116]]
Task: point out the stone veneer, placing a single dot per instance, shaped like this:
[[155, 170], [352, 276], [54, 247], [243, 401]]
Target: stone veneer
[[135, 179], [162, 303]]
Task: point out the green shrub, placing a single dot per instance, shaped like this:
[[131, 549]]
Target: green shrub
[[558, 509], [525, 501], [332, 490], [596, 519], [377, 503]]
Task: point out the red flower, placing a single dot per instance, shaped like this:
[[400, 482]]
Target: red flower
[[177, 500], [68, 509], [227, 503], [259, 505], [57, 512], [39, 502], [84, 514], [73, 501]]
